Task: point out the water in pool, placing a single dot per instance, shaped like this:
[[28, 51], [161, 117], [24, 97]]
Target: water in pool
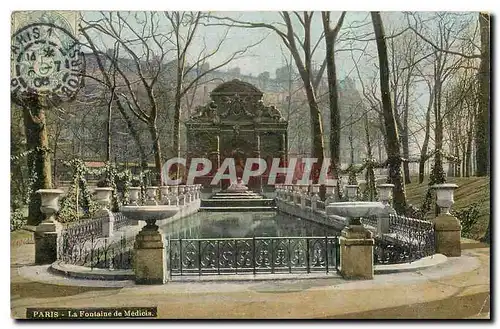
[[204, 225]]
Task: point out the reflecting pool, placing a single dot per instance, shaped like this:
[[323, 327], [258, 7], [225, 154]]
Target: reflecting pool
[[204, 225]]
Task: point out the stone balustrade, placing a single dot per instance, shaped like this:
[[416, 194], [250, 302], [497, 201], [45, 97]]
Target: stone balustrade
[[357, 240]]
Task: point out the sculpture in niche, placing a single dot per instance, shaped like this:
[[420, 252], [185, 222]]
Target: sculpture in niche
[[208, 111], [236, 130]]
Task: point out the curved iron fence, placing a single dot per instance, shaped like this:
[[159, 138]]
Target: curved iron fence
[[95, 252], [370, 220], [120, 221], [85, 228], [408, 240], [253, 255]]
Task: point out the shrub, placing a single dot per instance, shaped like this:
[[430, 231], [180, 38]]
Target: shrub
[[468, 218], [17, 220]]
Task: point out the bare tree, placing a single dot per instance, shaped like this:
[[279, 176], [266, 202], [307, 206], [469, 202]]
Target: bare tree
[[482, 126], [393, 142], [482, 133], [189, 74], [302, 50], [146, 48], [331, 34]]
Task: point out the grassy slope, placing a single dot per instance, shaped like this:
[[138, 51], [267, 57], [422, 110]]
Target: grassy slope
[[470, 190]]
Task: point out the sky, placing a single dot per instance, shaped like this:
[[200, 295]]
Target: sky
[[269, 54]]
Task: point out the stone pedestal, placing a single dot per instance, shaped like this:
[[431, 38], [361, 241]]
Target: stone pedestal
[[46, 231], [356, 253], [150, 260], [383, 225], [108, 222], [45, 243], [447, 231]]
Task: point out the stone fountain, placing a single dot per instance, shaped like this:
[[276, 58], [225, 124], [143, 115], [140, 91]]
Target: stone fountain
[[356, 242], [149, 247]]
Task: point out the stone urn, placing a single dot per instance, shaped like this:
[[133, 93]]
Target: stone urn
[[385, 193], [50, 201], [181, 189], [352, 192], [151, 195], [444, 196], [164, 190], [135, 193], [103, 196], [46, 232], [330, 188]]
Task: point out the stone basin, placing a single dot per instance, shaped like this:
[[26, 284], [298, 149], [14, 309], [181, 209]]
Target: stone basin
[[149, 213], [357, 209]]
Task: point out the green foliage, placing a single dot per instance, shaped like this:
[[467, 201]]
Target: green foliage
[[78, 195], [468, 218], [136, 182], [125, 182], [17, 220], [352, 179], [370, 192], [437, 176], [110, 177]]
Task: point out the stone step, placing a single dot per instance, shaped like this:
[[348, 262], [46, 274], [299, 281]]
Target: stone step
[[239, 209], [237, 202], [221, 197], [236, 194]]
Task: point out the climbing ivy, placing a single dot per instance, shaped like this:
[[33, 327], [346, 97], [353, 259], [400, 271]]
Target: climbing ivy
[[437, 176], [369, 164], [125, 181], [370, 192], [78, 196], [111, 177]]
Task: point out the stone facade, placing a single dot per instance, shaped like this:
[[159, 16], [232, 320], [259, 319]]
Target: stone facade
[[236, 124]]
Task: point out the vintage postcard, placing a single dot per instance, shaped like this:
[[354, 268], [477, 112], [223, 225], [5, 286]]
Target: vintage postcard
[[250, 165]]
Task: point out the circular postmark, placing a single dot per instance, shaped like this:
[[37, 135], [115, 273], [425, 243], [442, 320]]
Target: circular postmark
[[45, 61]]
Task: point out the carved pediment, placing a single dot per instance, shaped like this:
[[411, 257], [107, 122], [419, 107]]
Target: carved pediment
[[237, 101]]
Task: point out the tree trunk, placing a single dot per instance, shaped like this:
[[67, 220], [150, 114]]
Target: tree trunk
[[55, 154], [108, 126], [135, 135], [36, 139], [333, 96], [153, 130], [482, 124], [334, 110], [177, 108], [318, 146], [393, 143], [468, 155], [405, 132], [438, 170], [425, 144]]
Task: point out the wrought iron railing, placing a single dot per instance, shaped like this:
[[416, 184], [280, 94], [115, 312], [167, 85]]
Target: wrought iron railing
[[408, 240], [253, 255], [85, 229], [320, 205], [120, 221], [402, 225], [95, 252], [371, 220]]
